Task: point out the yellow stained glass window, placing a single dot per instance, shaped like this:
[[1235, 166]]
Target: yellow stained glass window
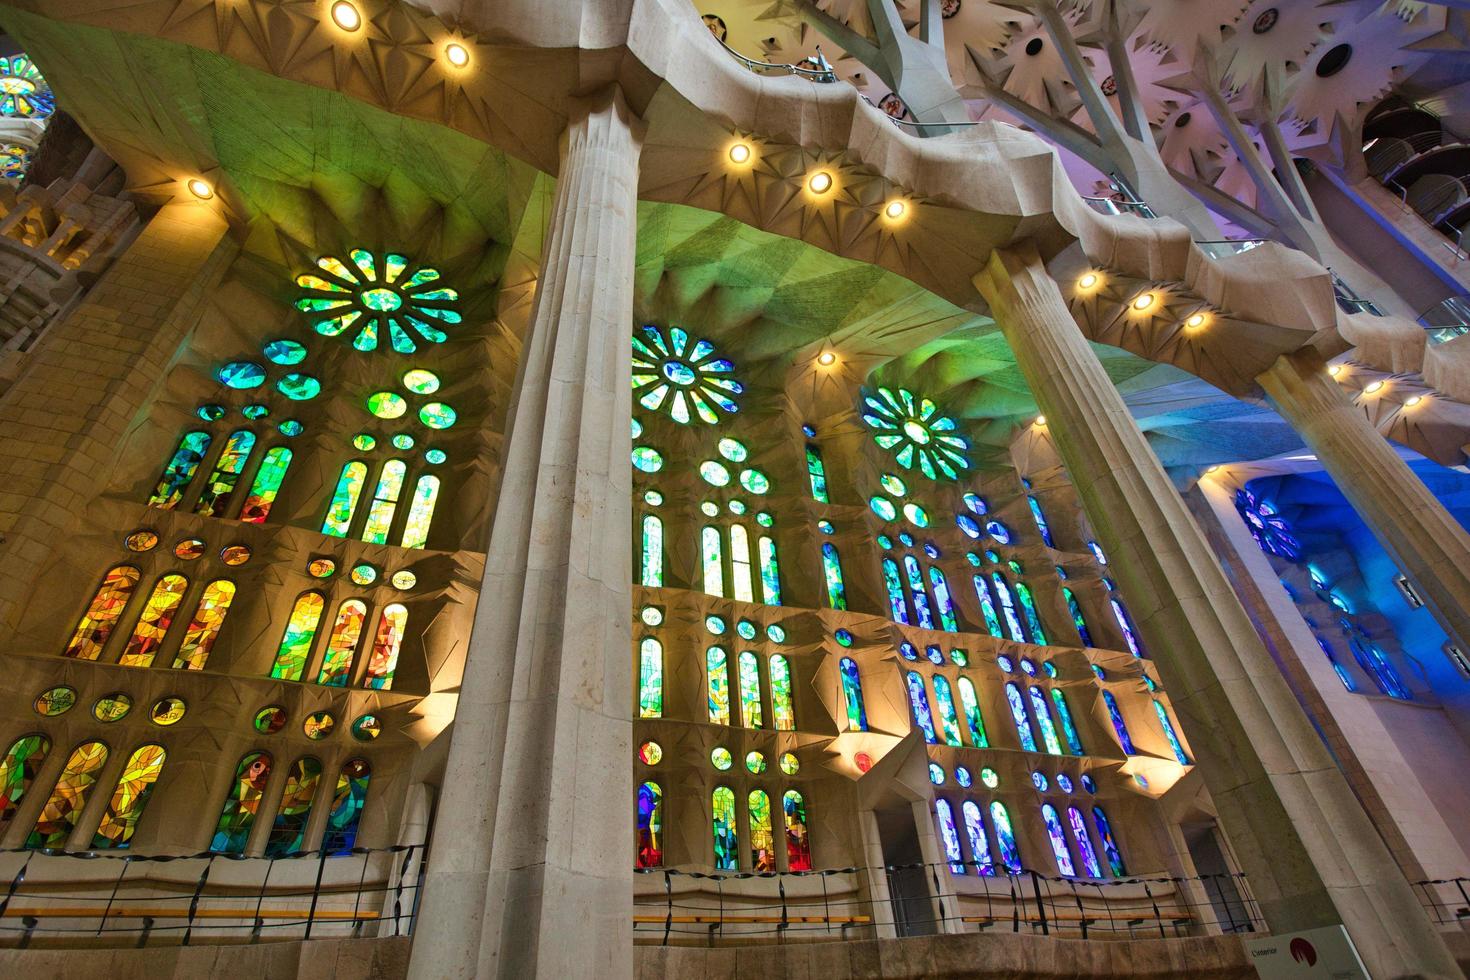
[[131, 795], [296, 642], [383, 661], [342, 644], [65, 805], [421, 512], [203, 629], [385, 502], [153, 625], [102, 615]]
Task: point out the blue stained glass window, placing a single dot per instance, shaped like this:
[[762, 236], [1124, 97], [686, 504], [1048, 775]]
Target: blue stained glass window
[[950, 837], [1342, 674], [1069, 727], [972, 714], [919, 702], [1375, 662], [894, 585], [1028, 606], [1058, 840], [1110, 847], [1078, 620], [1018, 715], [916, 590], [1125, 624], [1169, 733], [949, 722], [1043, 720], [987, 607], [241, 374], [979, 843], [1118, 726], [1005, 837], [1084, 842], [852, 695], [942, 600], [832, 568], [1013, 623], [1041, 524]]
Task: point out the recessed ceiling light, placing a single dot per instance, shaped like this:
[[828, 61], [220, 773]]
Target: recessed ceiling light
[[826, 358], [1144, 301], [1212, 469], [200, 188], [1373, 387], [740, 153], [1334, 370], [346, 16], [458, 54], [895, 209], [1413, 401], [1088, 281], [1041, 420], [1196, 320], [820, 183]]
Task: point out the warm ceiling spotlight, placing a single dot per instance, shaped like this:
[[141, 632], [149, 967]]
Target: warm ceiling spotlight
[[740, 153], [345, 15], [1144, 301], [1413, 401], [820, 182], [895, 209], [1334, 370], [826, 358], [1212, 469], [1195, 321], [457, 54], [1088, 281], [1373, 387], [200, 188], [1041, 420]]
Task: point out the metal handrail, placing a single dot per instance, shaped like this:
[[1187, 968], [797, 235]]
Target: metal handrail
[[824, 74]]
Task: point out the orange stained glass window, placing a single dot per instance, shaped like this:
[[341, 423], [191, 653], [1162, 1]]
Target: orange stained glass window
[[300, 633], [342, 644], [102, 615], [130, 797], [153, 625], [219, 490], [421, 512], [65, 805], [288, 833], [18, 770], [267, 484], [203, 629], [384, 659], [385, 502], [798, 845]]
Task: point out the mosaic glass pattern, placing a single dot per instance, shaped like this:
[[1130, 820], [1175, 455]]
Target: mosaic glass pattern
[[1272, 532], [1168, 726], [344, 499], [153, 624], [782, 712], [979, 843], [717, 673], [816, 473], [372, 297], [300, 633], [288, 830], [385, 502], [1110, 847], [852, 695], [949, 837], [682, 378], [388, 638], [18, 770], [798, 844], [1069, 727], [1005, 837], [762, 839], [242, 804], [919, 704], [971, 707], [1116, 717], [98, 622], [942, 599], [1043, 721], [651, 555], [711, 563], [649, 824], [1058, 840], [267, 484], [179, 471], [1018, 715], [987, 607], [726, 837], [63, 809], [748, 668], [832, 572], [1084, 843], [650, 678], [916, 432], [134, 788], [342, 644], [24, 92], [949, 722], [346, 809]]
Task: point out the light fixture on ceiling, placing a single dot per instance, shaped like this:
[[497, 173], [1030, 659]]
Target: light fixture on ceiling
[[1212, 469], [1373, 388], [1411, 402], [200, 188], [895, 210], [1334, 370], [346, 16], [1143, 302], [820, 182], [457, 54], [1088, 281], [1041, 420], [740, 153], [826, 358], [1195, 321]]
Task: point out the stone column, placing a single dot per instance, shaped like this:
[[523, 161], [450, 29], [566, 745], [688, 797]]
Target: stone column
[[1312, 856], [530, 868], [1426, 543]]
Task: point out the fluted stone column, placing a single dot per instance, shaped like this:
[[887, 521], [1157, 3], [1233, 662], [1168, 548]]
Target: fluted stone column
[[530, 868], [1424, 540], [1312, 857]]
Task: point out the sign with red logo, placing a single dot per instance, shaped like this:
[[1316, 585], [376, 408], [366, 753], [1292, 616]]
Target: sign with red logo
[[1324, 954]]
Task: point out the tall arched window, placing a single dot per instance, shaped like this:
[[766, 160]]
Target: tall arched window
[[949, 837], [342, 644], [69, 796], [727, 839], [987, 607], [1084, 842], [203, 629], [1041, 524], [219, 489], [782, 711], [153, 624], [770, 572], [740, 564], [383, 660], [649, 814], [717, 670], [798, 844], [101, 617], [1018, 715], [942, 599], [916, 591], [919, 702], [979, 844], [18, 770], [268, 478], [1008, 607], [134, 788], [817, 472], [179, 472], [749, 670], [1110, 847], [242, 804], [1078, 620], [651, 560], [1005, 837], [288, 832], [852, 695], [347, 804], [1043, 721], [1028, 607], [1058, 840], [344, 499], [832, 568], [1125, 623], [973, 721], [300, 633], [762, 837], [1117, 718], [650, 678], [949, 722], [714, 566], [421, 512], [1069, 728], [1168, 727], [894, 586], [385, 502]]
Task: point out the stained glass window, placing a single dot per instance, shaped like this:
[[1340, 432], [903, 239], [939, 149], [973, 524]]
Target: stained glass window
[[750, 690], [942, 599], [179, 472], [130, 797], [267, 484], [1078, 620], [1169, 733], [852, 695], [919, 702], [1018, 715], [727, 839], [1125, 623], [1041, 524], [1043, 721], [1005, 837], [242, 805], [421, 512], [987, 607], [671, 365], [24, 91], [1013, 623], [762, 838], [649, 813], [385, 502], [219, 489], [740, 564], [18, 770], [344, 499], [817, 472], [972, 714], [832, 568], [717, 669], [373, 297], [916, 432], [342, 644], [1084, 842], [288, 832], [153, 624], [203, 629], [1069, 727], [383, 660], [949, 837], [979, 843], [770, 572], [798, 844], [651, 562], [1028, 606], [714, 569], [69, 796], [781, 707], [296, 641], [1058, 840], [650, 678], [949, 722], [1117, 719], [1110, 847], [894, 585], [916, 591], [102, 614], [347, 803]]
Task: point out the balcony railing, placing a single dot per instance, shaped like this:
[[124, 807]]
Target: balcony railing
[[1447, 319], [819, 71], [1109, 205]]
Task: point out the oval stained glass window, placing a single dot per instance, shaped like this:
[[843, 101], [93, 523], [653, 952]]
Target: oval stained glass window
[[746, 629], [241, 374], [363, 442], [235, 554], [790, 765], [714, 624], [318, 725], [291, 427], [141, 540], [733, 449], [403, 441], [386, 405], [883, 507], [962, 776], [976, 503], [998, 531], [437, 415], [421, 382], [403, 580], [651, 615], [56, 701], [321, 568], [270, 719], [112, 707], [989, 778], [189, 549], [776, 633], [936, 774], [363, 574], [366, 728], [210, 412], [650, 753], [721, 758], [967, 524], [755, 481], [167, 711], [435, 456], [254, 412], [284, 351], [755, 762], [299, 387], [893, 484], [714, 473], [917, 515], [646, 459]]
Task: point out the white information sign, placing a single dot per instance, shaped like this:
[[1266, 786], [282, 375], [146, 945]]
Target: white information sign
[[1318, 954]]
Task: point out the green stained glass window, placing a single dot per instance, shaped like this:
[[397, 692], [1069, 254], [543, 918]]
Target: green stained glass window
[[297, 640], [949, 722], [270, 719], [403, 441], [740, 564], [750, 690], [755, 762], [179, 472], [790, 765], [726, 837], [254, 412], [714, 569], [916, 515], [916, 432], [134, 787], [893, 484], [817, 473], [883, 507], [852, 695], [721, 758], [770, 572], [288, 832], [714, 473], [436, 456], [385, 502], [284, 351], [650, 678], [24, 91], [69, 797], [371, 298], [210, 412], [421, 512], [241, 374], [682, 378], [1069, 727], [344, 499], [267, 484], [421, 382], [1028, 608], [776, 633], [386, 405], [718, 676], [219, 489], [764, 519], [755, 481], [18, 769], [55, 701], [971, 707], [363, 574], [437, 415], [299, 387], [762, 840], [715, 625], [364, 442], [651, 562], [781, 707], [647, 459], [1043, 721], [832, 569], [733, 449]]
